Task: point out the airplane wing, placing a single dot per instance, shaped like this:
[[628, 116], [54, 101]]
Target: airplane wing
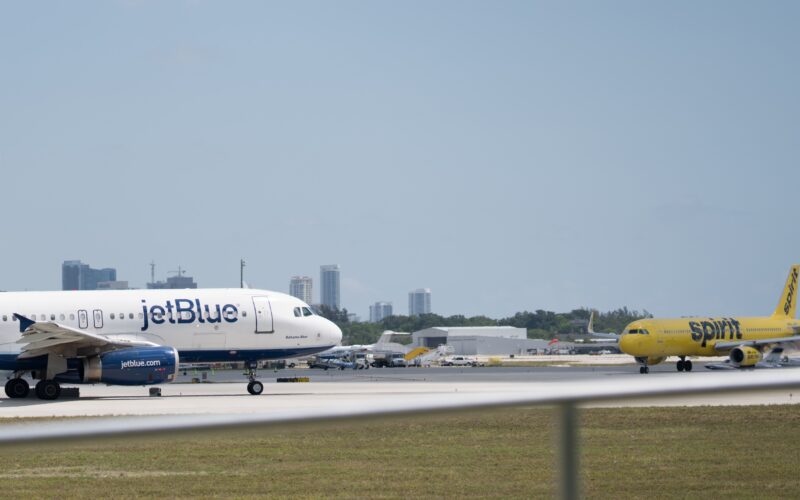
[[41, 338], [793, 342]]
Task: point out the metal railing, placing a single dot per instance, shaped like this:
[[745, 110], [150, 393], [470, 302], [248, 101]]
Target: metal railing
[[566, 396]]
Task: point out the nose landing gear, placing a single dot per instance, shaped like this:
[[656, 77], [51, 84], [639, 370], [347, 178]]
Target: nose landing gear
[[643, 368], [254, 387]]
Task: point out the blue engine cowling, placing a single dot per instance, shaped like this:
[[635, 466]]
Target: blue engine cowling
[[133, 366]]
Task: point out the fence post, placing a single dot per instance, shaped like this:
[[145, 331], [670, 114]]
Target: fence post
[[568, 451]]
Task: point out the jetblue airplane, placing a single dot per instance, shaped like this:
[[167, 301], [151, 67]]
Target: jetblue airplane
[[139, 337]]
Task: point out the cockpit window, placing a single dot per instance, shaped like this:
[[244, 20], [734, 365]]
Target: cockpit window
[[297, 312], [307, 312], [640, 331]]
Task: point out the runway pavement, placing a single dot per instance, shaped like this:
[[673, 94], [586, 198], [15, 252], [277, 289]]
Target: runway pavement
[[342, 389]]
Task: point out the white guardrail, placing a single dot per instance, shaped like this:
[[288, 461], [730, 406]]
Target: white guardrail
[[566, 396]]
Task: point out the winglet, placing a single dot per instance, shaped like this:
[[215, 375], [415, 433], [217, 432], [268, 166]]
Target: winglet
[[787, 306], [24, 322]]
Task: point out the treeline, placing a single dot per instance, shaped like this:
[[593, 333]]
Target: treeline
[[539, 324]]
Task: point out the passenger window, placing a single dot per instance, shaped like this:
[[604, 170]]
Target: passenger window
[[244, 314], [141, 315], [112, 315], [130, 316], [5, 318], [72, 317], [52, 317], [307, 312], [61, 317], [297, 312]]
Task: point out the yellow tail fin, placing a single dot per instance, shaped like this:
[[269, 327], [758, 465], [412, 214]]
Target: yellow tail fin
[[788, 303]]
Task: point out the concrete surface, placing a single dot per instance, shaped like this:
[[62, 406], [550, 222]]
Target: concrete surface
[[378, 388]]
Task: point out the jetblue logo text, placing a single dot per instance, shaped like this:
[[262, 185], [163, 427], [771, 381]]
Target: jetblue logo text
[[789, 296], [185, 311], [135, 363], [704, 331]]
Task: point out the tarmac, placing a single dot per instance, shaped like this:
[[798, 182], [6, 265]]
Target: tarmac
[[225, 392]]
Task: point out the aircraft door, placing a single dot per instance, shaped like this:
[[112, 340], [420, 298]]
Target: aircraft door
[[83, 319], [263, 311], [98, 318]]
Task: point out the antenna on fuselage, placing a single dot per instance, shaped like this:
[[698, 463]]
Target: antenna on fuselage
[[152, 271], [241, 273]]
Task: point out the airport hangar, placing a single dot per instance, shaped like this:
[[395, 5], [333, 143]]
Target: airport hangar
[[497, 341], [479, 340]]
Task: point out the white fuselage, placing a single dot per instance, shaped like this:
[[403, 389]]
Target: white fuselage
[[210, 325]]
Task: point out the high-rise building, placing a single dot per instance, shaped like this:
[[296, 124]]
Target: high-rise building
[[329, 286], [300, 287], [419, 301], [76, 275], [379, 310]]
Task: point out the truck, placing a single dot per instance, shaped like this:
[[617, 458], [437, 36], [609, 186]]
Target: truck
[[389, 360]]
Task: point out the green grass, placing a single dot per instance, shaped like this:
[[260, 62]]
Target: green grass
[[738, 452]]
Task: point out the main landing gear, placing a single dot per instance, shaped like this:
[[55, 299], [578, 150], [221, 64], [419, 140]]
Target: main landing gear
[[18, 388], [684, 365], [254, 387]]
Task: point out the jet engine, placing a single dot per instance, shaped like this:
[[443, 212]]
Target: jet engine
[[132, 366], [744, 356]]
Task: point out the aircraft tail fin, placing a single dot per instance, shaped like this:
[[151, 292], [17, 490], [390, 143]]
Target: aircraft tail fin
[[787, 306], [590, 326]]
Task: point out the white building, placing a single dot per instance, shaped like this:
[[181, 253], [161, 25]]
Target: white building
[[483, 340], [419, 301], [301, 287], [379, 310]]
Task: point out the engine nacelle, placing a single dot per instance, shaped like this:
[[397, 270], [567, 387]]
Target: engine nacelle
[[133, 366], [745, 356]]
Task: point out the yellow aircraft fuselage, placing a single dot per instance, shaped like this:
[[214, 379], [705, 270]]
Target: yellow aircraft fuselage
[[652, 340], [698, 336]]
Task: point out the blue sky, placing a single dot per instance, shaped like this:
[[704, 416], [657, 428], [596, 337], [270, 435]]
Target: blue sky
[[507, 155]]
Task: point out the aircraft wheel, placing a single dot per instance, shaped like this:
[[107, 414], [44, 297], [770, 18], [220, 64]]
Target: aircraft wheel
[[48, 389], [255, 387], [17, 388], [641, 370], [687, 365], [681, 365]]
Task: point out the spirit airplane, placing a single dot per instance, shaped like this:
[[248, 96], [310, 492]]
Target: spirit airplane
[[744, 340]]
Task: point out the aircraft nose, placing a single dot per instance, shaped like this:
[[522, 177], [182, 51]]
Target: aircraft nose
[[625, 343], [333, 333]]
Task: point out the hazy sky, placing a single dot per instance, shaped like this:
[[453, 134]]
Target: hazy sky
[[507, 155]]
